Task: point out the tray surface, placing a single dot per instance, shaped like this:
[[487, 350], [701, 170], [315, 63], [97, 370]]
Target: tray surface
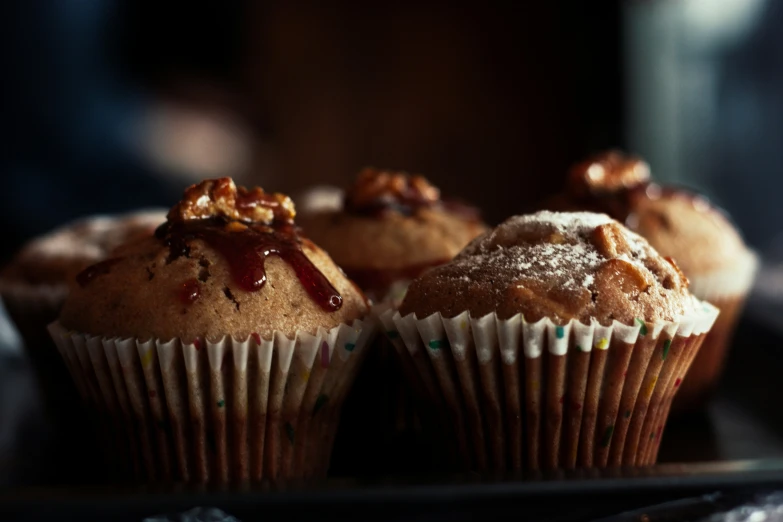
[[735, 447]]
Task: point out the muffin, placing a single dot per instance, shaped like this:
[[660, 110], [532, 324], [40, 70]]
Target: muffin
[[385, 230], [391, 227], [680, 224], [557, 340], [225, 344], [36, 281]]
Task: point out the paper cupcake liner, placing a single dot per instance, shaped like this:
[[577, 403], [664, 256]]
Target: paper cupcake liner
[[736, 281], [32, 308], [538, 395], [231, 410], [726, 290]]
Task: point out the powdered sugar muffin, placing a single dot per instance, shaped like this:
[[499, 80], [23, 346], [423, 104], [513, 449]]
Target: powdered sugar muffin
[[680, 224], [555, 340]]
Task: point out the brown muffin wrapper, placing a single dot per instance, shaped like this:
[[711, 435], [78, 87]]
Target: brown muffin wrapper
[[704, 374], [543, 396], [230, 411], [32, 308], [727, 289]]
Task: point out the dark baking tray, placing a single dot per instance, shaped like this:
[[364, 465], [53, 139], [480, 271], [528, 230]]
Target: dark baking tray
[[730, 451]]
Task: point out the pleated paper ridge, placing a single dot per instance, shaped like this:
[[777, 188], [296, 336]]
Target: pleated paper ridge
[[231, 410], [538, 395]]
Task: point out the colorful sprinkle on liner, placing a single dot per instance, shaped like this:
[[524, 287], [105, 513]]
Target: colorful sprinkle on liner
[[627, 414], [350, 346], [651, 387], [666, 345], [437, 344], [325, 354], [603, 343], [607, 438], [643, 327], [559, 332], [146, 359], [320, 402], [221, 403]]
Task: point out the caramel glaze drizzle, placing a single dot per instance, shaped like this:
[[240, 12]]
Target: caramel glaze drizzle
[[246, 247]]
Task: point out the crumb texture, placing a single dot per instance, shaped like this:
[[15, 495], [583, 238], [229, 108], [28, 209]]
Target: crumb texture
[[564, 266]]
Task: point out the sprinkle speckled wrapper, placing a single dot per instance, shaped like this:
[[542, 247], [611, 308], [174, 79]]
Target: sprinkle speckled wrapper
[[542, 396], [229, 411]]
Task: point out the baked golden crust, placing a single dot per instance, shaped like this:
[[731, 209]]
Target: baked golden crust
[[676, 222], [227, 262], [143, 295], [562, 266], [392, 226], [56, 258]]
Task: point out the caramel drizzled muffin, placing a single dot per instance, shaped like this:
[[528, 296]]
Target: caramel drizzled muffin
[[227, 262], [563, 266], [677, 223], [228, 341], [392, 226]]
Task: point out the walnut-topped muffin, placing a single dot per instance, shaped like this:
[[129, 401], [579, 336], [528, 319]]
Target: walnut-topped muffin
[[677, 223], [392, 227], [559, 265], [227, 262], [556, 340], [224, 345]]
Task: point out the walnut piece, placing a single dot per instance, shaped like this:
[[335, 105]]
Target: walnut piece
[[221, 198], [607, 172], [377, 188]]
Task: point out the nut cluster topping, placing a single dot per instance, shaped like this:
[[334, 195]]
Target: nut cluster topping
[[222, 198], [377, 189], [607, 172]]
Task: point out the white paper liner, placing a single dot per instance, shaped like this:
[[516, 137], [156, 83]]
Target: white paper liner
[[735, 281], [542, 395], [231, 410]]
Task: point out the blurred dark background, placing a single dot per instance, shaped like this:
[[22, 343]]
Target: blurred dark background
[[115, 105]]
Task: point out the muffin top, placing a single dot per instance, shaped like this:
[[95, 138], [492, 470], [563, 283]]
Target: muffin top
[[391, 226], [56, 258], [227, 261], [563, 266], [675, 221]]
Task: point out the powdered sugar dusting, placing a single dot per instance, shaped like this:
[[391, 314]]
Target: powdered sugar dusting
[[560, 266], [562, 220], [553, 248]]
